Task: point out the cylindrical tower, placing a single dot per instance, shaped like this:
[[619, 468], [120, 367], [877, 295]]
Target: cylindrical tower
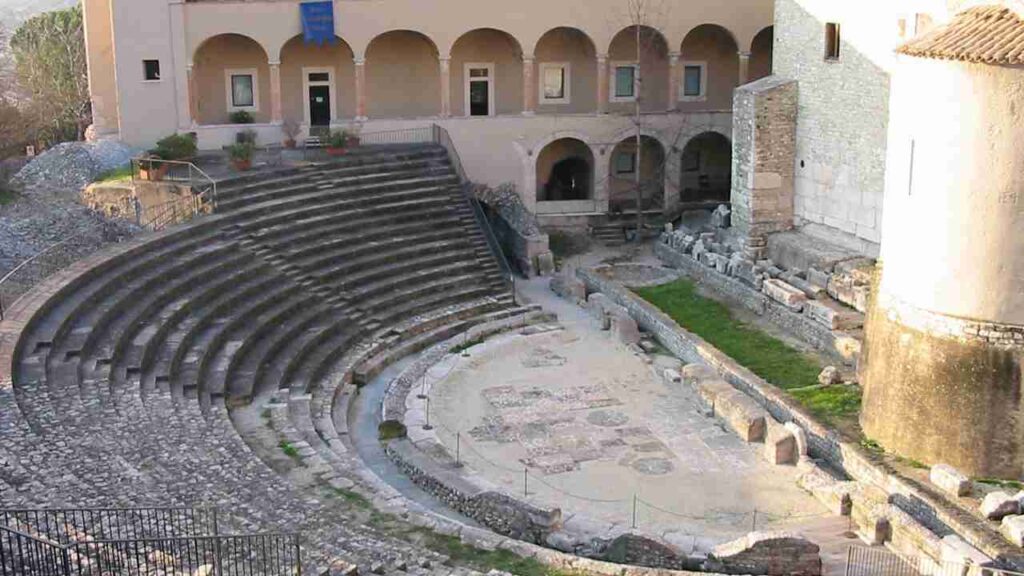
[[945, 336]]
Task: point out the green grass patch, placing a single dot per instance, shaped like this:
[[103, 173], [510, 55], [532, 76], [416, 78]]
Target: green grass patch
[[768, 357], [833, 404], [487, 560], [7, 197], [390, 430], [1014, 484], [124, 173], [354, 498], [289, 450], [466, 345]]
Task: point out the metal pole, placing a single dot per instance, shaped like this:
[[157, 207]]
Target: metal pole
[[427, 426], [458, 448], [634, 510], [526, 491], [218, 569], [753, 523]]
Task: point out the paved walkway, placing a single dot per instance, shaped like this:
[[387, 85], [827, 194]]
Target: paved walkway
[[601, 436]]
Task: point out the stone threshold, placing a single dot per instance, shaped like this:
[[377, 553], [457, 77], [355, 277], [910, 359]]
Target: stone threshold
[[898, 511]]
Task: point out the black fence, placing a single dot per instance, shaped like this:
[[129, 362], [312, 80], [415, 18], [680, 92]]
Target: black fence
[[878, 561], [138, 542]]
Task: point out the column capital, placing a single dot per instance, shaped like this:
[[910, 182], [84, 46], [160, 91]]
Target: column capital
[[744, 55], [444, 58], [273, 62], [527, 59], [602, 57], [675, 55], [359, 61]]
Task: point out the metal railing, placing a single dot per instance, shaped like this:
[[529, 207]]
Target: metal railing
[[878, 561], [420, 135], [138, 542], [10, 290], [201, 185]]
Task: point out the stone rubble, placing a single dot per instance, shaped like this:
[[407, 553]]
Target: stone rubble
[[950, 480], [999, 504], [72, 165], [830, 376]]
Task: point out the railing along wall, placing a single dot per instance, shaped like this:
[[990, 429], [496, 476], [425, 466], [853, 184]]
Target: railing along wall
[[879, 561], [203, 191], [138, 542]]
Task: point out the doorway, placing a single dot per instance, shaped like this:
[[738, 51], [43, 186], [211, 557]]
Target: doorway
[[318, 84], [479, 89]]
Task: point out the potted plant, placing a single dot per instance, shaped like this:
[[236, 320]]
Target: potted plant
[[151, 168], [241, 156], [337, 141], [241, 117], [181, 147], [291, 129]]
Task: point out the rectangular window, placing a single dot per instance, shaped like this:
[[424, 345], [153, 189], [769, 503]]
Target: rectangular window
[[625, 163], [555, 79], [625, 82], [242, 93], [832, 41], [151, 70], [320, 77]]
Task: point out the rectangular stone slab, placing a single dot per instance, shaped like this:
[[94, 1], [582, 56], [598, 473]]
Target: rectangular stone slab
[[833, 315], [785, 294], [742, 414]]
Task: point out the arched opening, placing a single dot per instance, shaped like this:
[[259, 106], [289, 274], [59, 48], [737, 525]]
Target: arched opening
[[623, 68], [565, 170], [622, 176], [486, 74], [566, 72], [317, 82], [706, 166], [761, 54], [231, 74], [709, 67], [403, 77]]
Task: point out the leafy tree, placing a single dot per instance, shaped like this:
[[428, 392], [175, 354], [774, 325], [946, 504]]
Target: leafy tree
[[50, 64]]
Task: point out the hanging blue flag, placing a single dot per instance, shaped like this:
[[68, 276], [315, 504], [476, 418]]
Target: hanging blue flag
[[318, 22]]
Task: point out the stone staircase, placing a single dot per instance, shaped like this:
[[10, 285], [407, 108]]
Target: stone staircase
[[303, 281]]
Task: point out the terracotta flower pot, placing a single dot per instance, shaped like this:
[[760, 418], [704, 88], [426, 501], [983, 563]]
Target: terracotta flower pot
[[336, 151], [241, 165], [153, 173]]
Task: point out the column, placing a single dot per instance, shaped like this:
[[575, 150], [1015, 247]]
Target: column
[[529, 87], [276, 115], [602, 84], [446, 86], [360, 88], [193, 109], [674, 80], [744, 67]]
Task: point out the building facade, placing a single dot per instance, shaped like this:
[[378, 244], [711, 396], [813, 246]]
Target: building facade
[[539, 95]]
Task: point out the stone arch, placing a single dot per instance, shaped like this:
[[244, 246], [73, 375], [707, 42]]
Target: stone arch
[[214, 62], [297, 55], [761, 51], [654, 67], [403, 78], [565, 170], [706, 169], [574, 48], [502, 52], [622, 175], [714, 48]]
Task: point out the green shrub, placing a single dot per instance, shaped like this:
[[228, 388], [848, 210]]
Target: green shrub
[[338, 139], [241, 117], [241, 152], [391, 429], [175, 147]]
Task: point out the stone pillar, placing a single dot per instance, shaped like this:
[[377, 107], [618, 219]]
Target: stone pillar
[[193, 109], [276, 115], [529, 86], [602, 84], [744, 67], [446, 86], [675, 79], [360, 89], [602, 186]]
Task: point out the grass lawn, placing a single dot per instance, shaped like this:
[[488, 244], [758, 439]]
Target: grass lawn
[[124, 173], [773, 360]]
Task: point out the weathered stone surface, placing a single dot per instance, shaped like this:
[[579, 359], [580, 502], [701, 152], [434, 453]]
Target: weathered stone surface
[[1012, 528], [833, 315], [694, 373], [801, 438], [950, 480], [672, 376], [721, 217], [785, 294], [817, 277], [341, 567], [829, 376], [710, 389], [809, 290], [569, 287], [779, 444], [545, 263], [769, 553], [742, 414], [956, 550], [999, 504], [625, 328]]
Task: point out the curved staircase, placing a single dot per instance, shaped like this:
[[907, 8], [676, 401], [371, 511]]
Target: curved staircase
[[123, 369]]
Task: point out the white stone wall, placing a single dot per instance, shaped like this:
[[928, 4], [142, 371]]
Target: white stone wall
[[843, 110]]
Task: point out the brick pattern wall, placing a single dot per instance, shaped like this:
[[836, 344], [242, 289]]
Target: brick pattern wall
[[1008, 336], [842, 126]]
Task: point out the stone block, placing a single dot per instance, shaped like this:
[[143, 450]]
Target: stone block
[[779, 444], [785, 294], [698, 250], [569, 287], [955, 549], [597, 306], [545, 264], [999, 504], [833, 315], [800, 436], [950, 480], [672, 376], [722, 265], [817, 277], [1012, 529], [742, 414], [721, 217], [712, 388], [829, 376], [340, 567], [625, 329], [694, 373]]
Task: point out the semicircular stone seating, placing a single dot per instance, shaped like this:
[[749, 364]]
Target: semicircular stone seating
[[122, 367]]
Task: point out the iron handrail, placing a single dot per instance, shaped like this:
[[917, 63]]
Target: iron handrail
[[6, 277]]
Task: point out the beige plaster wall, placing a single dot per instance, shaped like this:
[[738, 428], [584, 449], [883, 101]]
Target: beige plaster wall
[[296, 55], [557, 151], [654, 68], [572, 46], [212, 60], [99, 39], [955, 166], [403, 77], [652, 158], [715, 46], [500, 49]]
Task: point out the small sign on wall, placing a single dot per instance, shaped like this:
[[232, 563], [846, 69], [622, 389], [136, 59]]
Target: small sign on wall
[[317, 22]]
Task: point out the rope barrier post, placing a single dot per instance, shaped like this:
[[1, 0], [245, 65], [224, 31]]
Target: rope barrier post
[[423, 386], [427, 426], [634, 510], [458, 449], [526, 491], [753, 523]]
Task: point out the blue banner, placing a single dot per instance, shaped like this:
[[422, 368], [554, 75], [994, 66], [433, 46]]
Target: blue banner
[[318, 22]]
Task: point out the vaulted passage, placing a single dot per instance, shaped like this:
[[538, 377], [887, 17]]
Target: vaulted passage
[[403, 78], [565, 171], [706, 169], [626, 161]]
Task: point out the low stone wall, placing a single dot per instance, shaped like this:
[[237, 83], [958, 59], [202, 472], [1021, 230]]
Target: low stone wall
[[768, 553], [921, 502]]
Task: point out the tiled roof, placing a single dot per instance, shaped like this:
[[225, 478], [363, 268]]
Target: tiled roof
[[984, 34]]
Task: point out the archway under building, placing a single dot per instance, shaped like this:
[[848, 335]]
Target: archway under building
[[486, 74], [709, 69], [705, 178], [761, 54], [624, 166], [231, 74], [653, 70], [566, 72], [565, 171], [403, 77], [317, 82]]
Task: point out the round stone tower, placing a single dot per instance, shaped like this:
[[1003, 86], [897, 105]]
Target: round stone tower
[[945, 336]]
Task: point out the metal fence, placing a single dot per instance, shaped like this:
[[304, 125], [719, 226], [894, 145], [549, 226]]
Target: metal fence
[[138, 542], [202, 198], [877, 561]]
